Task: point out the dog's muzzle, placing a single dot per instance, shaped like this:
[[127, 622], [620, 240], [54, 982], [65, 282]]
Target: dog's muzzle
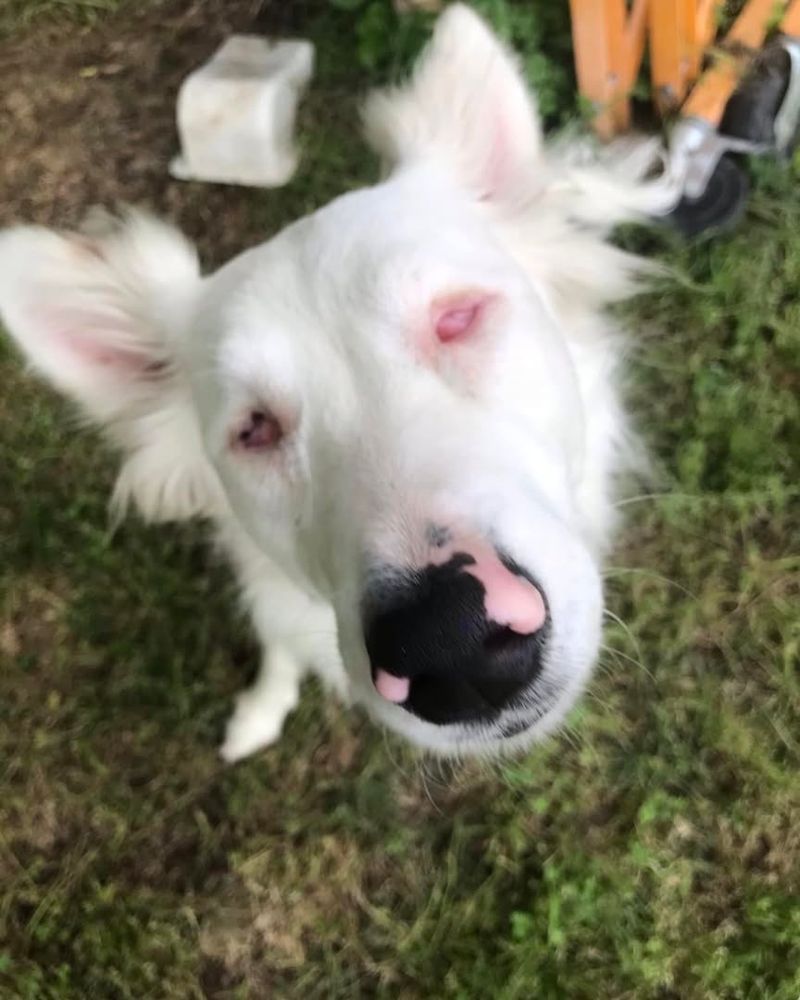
[[457, 641]]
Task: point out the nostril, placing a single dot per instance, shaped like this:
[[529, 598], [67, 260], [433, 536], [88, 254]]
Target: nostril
[[503, 639]]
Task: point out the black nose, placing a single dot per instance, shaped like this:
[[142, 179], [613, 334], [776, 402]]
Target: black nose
[[430, 626]]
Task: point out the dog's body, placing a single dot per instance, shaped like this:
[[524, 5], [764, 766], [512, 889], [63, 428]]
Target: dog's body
[[401, 412]]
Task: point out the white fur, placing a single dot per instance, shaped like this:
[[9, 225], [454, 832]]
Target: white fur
[[521, 436]]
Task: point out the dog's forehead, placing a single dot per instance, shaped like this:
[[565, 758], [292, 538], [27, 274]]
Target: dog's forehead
[[417, 212], [358, 265], [377, 254]]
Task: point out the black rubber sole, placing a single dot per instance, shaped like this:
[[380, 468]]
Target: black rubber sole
[[719, 207]]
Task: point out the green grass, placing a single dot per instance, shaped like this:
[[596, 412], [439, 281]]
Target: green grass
[[650, 851]]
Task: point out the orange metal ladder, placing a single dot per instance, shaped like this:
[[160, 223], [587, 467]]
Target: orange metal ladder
[[610, 38]]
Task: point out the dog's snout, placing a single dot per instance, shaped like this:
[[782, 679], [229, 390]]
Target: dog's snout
[[456, 641]]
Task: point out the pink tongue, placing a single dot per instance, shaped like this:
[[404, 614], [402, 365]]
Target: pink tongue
[[392, 688]]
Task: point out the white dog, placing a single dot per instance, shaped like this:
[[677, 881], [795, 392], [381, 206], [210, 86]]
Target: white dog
[[400, 413]]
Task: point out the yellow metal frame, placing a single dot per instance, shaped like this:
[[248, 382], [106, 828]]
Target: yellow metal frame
[[679, 32], [610, 38]]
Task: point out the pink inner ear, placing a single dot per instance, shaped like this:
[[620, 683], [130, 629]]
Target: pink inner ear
[[456, 317], [498, 161], [110, 345], [125, 361]]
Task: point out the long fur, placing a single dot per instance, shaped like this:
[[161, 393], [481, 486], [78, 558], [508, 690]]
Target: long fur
[[520, 433]]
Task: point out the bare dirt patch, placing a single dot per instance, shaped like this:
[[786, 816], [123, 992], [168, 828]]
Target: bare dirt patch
[[89, 118]]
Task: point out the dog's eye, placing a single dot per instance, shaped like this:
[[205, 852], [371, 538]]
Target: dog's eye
[[457, 316], [260, 430]]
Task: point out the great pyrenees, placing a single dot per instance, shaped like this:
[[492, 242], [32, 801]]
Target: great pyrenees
[[400, 413]]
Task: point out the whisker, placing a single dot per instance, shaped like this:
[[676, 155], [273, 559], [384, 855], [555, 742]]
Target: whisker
[[631, 659], [573, 736], [393, 759], [626, 629], [612, 571], [426, 787], [666, 494]]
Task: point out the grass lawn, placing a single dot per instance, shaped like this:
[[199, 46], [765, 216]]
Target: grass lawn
[[652, 850]]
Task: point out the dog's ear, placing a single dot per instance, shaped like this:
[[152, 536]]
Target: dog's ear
[[92, 311], [95, 313], [466, 104]]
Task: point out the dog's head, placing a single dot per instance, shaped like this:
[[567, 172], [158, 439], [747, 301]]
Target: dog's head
[[390, 397]]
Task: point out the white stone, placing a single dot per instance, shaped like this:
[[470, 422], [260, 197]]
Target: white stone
[[236, 113]]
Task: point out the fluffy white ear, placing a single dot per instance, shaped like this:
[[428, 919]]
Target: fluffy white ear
[[92, 312], [466, 104], [95, 314]]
